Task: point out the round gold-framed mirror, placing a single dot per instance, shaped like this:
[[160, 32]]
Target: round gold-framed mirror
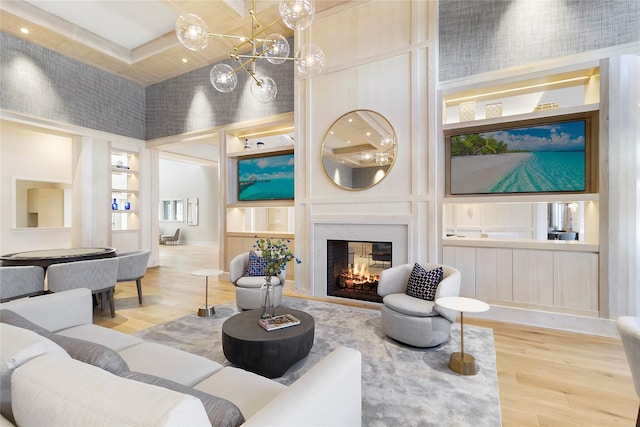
[[359, 149]]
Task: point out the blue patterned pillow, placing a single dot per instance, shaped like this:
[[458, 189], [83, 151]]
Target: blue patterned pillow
[[422, 283], [256, 265]]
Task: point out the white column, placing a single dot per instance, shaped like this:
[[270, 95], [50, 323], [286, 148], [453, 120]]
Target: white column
[[620, 191], [91, 176]]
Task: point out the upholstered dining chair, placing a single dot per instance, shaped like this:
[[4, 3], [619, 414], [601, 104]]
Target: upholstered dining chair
[[629, 330], [248, 286], [414, 320], [20, 281], [98, 275], [132, 267], [173, 238]]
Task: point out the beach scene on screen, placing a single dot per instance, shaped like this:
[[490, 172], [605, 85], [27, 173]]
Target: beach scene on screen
[[544, 158], [266, 178]]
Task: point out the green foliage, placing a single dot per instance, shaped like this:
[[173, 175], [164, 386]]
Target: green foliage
[[275, 254], [474, 144]]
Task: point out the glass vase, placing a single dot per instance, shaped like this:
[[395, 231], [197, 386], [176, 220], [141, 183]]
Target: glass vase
[[266, 293]]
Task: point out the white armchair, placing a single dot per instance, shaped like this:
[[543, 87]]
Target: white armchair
[[629, 330], [415, 321], [248, 295]]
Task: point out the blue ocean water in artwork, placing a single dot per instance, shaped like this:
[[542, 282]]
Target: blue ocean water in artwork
[[271, 189], [546, 171]]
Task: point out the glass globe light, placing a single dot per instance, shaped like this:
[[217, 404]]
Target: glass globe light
[[265, 91], [387, 140], [276, 48], [310, 60], [297, 14], [192, 31], [223, 78]]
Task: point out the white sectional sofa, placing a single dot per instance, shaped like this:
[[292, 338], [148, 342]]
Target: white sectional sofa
[[58, 368]]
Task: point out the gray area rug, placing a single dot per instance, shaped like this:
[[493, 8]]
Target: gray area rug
[[401, 385]]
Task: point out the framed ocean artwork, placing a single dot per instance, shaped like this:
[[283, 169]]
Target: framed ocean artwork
[[547, 155], [268, 177]]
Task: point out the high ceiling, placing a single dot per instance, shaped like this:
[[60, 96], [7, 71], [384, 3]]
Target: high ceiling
[[135, 39]]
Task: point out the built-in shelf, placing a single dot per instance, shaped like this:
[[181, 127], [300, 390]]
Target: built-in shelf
[[125, 186], [521, 117], [524, 198], [262, 151]]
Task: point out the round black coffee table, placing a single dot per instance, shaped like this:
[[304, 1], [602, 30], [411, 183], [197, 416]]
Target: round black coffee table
[[268, 353]]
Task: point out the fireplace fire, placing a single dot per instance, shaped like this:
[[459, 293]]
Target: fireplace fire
[[353, 268]]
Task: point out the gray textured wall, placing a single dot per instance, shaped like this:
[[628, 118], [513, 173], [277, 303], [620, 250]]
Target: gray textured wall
[[42, 83], [486, 35], [189, 102]]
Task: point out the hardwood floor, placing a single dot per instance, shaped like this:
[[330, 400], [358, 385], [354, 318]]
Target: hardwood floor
[[546, 377]]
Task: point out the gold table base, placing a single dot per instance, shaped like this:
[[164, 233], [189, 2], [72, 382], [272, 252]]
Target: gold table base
[[463, 363], [206, 311]]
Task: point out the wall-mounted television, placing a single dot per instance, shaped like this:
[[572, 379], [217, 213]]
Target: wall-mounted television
[[268, 177], [546, 155]]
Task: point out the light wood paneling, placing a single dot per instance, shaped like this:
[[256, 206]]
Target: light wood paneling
[[367, 30], [46, 207], [575, 280], [494, 274], [546, 377], [464, 260], [533, 277]]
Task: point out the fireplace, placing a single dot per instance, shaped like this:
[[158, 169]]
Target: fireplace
[[362, 234], [353, 268]]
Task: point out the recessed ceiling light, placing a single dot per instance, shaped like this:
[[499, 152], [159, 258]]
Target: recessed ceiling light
[[185, 60], [24, 30]]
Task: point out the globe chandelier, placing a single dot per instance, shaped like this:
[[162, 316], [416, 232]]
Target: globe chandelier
[[193, 33]]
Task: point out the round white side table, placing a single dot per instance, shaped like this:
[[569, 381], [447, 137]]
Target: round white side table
[[461, 362], [206, 310]]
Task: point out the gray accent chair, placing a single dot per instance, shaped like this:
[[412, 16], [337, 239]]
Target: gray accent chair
[[248, 294], [20, 281], [173, 238], [132, 267], [629, 330], [414, 321], [98, 275]]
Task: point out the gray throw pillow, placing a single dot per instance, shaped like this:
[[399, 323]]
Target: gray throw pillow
[[12, 318], [85, 351], [221, 412], [92, 353]]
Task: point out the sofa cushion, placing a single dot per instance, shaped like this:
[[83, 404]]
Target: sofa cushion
[[249, 391], [64, 392], [410, 306], [220, 411], [256, 265], [167, 362], [422, 283], [17, 347], [115, 340], [13, 318], [255, 281], [92, 353]]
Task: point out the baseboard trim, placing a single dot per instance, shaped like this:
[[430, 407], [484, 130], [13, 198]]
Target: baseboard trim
[[549, 320]]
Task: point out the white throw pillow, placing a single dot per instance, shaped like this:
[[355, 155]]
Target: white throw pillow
[[17, 347]]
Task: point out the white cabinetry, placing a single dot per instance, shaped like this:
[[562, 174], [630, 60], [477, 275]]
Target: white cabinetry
[[562, 280], [499, 242], [533, 277]]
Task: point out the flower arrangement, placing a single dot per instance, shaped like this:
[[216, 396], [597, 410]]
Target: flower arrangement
[[275, 254]]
